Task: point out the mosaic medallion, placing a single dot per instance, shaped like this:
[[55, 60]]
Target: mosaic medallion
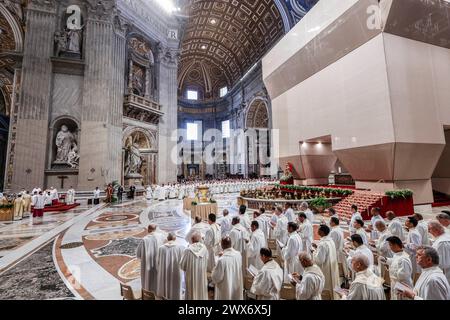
[[130, 270], [122, 247]]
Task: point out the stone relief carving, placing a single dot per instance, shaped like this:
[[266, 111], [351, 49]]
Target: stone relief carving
[[101, 9], [168, 56], [47, 5], [68, 42]]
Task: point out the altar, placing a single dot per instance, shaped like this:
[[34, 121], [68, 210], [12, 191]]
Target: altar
[[203, 210]]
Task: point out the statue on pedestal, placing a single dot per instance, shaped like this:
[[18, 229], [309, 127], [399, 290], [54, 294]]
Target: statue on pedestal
[[67, 148], [133, 158]]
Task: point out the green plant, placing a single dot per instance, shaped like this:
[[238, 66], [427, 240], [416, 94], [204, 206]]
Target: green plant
[[194, 203], [320, 202], [212, 201], [397, 194], [6, 206]]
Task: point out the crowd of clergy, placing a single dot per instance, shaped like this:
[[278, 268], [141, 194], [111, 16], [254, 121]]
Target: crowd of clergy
[[285, 254], [32, 204], [188, 189]]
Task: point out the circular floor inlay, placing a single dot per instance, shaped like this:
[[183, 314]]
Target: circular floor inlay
[[71, 245]]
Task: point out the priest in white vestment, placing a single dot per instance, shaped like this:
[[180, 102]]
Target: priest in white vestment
[[308, 286], [444, 219], [432, 283], [227, 274], [395, 226], [212, 241], [325, 257], [198, 227], [147, 252], [225, 223], [358, 227], [355, 215], [367, 285], [442, 246], [263, 224], [337, 235], [148, 193], [255, 244], [170, 275], [244, 218], [279, 226], [70, 196], [304, 207], [359, 248], [422, 227], [400, 266], [291, 251], [413, 241], [269, 280], [289, 213], [239, 237], [306, 231], [194, 263]]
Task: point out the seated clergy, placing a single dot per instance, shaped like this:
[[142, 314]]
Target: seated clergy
[[227, 274], [269, 280], [311, 284], [367, 285]]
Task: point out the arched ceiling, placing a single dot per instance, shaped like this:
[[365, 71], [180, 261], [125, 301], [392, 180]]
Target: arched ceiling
[[223, 39]]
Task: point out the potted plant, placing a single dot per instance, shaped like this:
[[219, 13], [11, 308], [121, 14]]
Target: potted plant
[[320, 204]]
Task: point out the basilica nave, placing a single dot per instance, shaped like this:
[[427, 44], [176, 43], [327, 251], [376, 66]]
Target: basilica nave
[[138, 137]]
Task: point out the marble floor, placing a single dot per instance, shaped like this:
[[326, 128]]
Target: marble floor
[[88, 252]]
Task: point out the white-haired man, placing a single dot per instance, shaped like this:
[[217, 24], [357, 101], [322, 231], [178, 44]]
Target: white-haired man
[[308, 286], [442, 246], [169, 272], [367, 285], [194, 263], [432, 283]]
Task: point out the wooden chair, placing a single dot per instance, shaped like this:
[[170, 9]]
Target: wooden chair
[[272, 244], [280, 261], [127, 292], [287, 292], [248, 282], [148, 295]]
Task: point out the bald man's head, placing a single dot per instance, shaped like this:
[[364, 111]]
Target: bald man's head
[[196, 237], [152, 228], [305, 259], [360, 263], [380, 225], [436, 229]]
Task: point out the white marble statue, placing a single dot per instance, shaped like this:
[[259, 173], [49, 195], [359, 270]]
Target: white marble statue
[[64, 142]]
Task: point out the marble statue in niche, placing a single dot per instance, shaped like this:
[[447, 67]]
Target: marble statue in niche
[[69, 42], [66, 148], [133, 158]]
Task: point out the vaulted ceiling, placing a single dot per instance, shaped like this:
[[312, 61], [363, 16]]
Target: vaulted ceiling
[[223, 39]]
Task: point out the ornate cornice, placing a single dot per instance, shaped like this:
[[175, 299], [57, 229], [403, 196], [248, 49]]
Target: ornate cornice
[[168, 56], [42, 5], [102, 10]]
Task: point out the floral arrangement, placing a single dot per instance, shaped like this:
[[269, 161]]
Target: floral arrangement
[[338, 192], [397, 194], [194, 203], [8, 206], [320, 204]]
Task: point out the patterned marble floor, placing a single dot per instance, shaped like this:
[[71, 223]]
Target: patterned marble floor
[[96, 251]]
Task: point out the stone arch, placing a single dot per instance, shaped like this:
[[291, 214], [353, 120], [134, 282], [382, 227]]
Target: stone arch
[[257, 114], [17, 32], [148, 135]]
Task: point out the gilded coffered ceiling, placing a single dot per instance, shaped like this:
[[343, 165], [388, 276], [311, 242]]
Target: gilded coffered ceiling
[[223, 39]]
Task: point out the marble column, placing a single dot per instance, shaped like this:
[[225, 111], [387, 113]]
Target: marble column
[[33, 108], [168, 98], [101, 134]]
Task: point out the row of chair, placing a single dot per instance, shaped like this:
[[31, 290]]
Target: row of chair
[[128, 293]]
